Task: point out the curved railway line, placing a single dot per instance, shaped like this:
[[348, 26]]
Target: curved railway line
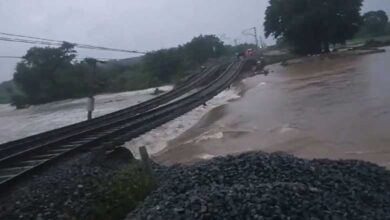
[[21, 158], [28, 142]]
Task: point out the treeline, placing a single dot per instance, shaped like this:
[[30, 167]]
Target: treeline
[[48, 74], [375, 23], [314, 26]]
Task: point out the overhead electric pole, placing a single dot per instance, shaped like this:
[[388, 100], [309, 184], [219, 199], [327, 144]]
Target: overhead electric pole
[[252, 32], [92, 87], [262, 43], [255, 35], [235, 42]]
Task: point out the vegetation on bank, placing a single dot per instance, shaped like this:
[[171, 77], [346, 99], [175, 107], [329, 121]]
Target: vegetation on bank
[[49, 74], [122, 195], [313, 27], [375, 24]]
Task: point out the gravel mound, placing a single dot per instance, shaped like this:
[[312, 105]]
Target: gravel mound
[[63, 191], [269, 186]]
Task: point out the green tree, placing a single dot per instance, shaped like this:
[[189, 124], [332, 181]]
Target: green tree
[[49, 74], [37, 75], [311, 25], [375, 23], [163, 64], [204, 47], [168, 64]]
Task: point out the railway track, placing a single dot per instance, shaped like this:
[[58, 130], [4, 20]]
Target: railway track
[[192, 82], [16, 166]]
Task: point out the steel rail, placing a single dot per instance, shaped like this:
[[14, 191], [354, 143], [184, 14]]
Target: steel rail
[[24, 143], [20, 165]]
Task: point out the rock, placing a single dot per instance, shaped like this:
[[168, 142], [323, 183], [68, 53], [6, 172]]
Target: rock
[[39, 217], [120, 153], [203, 209], [178, 210]]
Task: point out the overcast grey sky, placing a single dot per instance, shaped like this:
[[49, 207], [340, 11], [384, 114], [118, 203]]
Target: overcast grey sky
[[130, 24]]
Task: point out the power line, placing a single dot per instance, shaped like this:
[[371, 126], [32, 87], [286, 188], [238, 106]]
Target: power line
[[51, 42], [77, 58], [24, 36], [83, 46], [28, 41]]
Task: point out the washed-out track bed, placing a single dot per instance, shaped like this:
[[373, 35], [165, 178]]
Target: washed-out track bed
[[21, 158]]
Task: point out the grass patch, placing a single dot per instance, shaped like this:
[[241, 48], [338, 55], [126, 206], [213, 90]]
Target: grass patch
[[122, 195]]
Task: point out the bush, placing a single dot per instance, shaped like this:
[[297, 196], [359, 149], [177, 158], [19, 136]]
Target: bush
[[19, 101], [126, 191]]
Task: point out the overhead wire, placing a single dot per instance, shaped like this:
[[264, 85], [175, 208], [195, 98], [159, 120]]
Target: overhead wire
[[51, 42], [77, 58]]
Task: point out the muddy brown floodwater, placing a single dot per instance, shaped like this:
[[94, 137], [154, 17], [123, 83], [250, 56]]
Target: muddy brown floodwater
[[337, 108]]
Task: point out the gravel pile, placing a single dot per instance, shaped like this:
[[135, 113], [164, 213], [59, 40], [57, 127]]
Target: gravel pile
[[269, 186], [64, 191]]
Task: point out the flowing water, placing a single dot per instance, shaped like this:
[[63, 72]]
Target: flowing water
[[16, 124], [334, 107], [317, 107]]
